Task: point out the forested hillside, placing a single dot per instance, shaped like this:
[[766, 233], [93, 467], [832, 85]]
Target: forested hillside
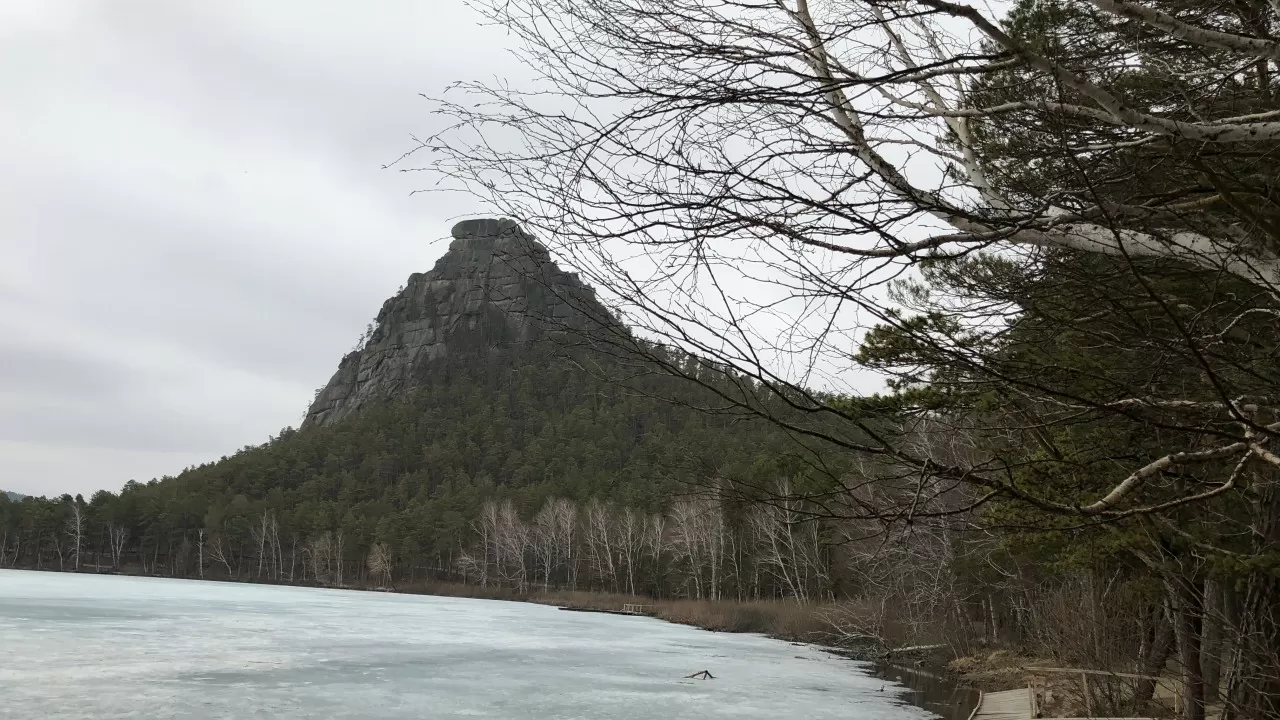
[[409, 477], [495, 425]]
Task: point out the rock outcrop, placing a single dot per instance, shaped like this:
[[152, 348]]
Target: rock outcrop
[[495, 291]]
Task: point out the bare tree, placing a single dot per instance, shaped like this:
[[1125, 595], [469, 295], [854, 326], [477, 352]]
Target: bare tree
[[552, 537], [790, 546], [266, 535], [487, 528], [655, 546], [792, 124], [75, 529], [380, 563], [697, 542], [470, 566], [219, 554], [513, 542], [504, 540], [338, 556], [598, 534], [293, 555], [116, 537], [630, 542], [200, 551], [566, 521], [320, 552]]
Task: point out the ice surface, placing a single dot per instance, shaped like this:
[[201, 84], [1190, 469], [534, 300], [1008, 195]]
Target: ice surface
[[85, 646]]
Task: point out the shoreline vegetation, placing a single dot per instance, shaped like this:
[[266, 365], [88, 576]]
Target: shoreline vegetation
[[1104, 642]]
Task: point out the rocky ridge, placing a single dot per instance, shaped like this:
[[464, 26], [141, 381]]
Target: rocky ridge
[[495, 290]]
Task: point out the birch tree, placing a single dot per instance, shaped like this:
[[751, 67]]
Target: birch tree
[[697, 542], [512, 545], [598, 534], [117, 535], [486, 527], [566, 523], [218, 553], [655, 546], [545, 541], [788, 543], [380, 563], [338, 554], [552, 538], [75, 529], [504, 540], [630, 542]]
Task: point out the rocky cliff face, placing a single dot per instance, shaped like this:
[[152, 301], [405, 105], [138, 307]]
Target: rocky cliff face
[[496, 290]]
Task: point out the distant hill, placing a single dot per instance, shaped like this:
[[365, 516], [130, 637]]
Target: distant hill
[[13, 495], [483, 383]]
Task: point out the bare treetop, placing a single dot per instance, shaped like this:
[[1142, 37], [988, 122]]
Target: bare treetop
[[858, 128]]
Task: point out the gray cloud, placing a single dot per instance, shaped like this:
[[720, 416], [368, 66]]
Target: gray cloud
[[193, 218]]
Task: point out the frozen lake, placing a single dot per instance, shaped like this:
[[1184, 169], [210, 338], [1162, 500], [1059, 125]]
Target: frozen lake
[[85, 646]]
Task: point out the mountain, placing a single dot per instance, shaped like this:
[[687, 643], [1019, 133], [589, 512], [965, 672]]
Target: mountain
[[13, 495], [479, 386], [496, 290]]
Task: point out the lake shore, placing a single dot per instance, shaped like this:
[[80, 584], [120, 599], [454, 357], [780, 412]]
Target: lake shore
[[84, 646], [933, 677], [929, 678]]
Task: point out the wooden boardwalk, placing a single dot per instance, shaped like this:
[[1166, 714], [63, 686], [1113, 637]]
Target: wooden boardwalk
[[1006, 705]]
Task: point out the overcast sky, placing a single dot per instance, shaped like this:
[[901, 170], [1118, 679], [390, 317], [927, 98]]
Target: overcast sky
[[194, 221]]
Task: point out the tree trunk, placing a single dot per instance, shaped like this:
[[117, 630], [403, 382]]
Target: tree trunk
[[1253, 684], [1184, 595], [1154, 661], [1211, 650]]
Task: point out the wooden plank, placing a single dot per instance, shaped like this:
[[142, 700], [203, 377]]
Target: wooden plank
[[1005, 705]]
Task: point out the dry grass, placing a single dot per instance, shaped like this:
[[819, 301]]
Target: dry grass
[[996, 670], [782, 619], [787, 620]]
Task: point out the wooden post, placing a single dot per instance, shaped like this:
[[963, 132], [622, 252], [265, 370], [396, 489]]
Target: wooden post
[[1088, 701], [1031, 697]]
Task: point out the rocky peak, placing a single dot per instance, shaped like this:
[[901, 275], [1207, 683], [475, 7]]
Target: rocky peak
[[495, 290]]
